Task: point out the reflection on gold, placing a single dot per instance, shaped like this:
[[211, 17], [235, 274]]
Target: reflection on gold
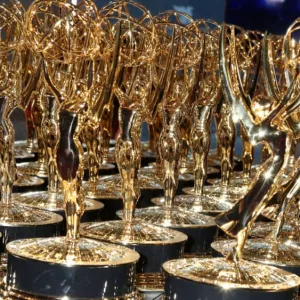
[[270, 131], [221, 272]]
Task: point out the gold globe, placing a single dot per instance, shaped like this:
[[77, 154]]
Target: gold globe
[[62, 31], [12, 17], [178, 37], [131, 25]]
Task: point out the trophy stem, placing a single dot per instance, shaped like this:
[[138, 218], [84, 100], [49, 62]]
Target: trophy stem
[[247, 154], [185, 133], [289, 194], [106, 124], [69, 155], [244, 213], [152, 138], [49, 131], [128, 159], [200, 136], [37, 113], [157, 129], [169, 149], [29, 127], [226, 140], [7, 158], [92, 137]]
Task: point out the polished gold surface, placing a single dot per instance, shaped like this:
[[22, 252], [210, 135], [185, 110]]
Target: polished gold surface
[[149, 180], [271, 212], [178, 93], [51, 202], [12, 16], [21, 146], [189, 168], [104, 191], [230, 194], [49, 33], [64, 251], [226, 139], [173, 218], [221, 272], [16, 214], [34, 168], [288, 193], [26, 180], [37, 98], [237, 178], [192, 203], [135, 44], [66, 51], [289, 231], [284, 253], [136, 232], [146, 179], [65, 63], [23, 153], [271, 130]]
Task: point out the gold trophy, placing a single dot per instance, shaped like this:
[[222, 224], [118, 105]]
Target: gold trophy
[[277, 250], [134, 38], [250, 47], [66, 35], [178, 57], [286, 214], [207, 96], [232, 186], [39, 167], [219, 276], [30, 73], [16, 221], [31, 70], [53, 199], [96, 134]]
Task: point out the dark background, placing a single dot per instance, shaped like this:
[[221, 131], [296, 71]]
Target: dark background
[[275, 16]]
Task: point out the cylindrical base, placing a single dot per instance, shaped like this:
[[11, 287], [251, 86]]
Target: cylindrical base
[[55, 203], [148, 157], [200, 229], [22, 146], [155, 244], [82, 269], [34, 168], [104, 170], [24, 156], [290, 230], [230, 194], [188, 203], [111, 206], [212, 279], [17, 222], [150, 187], [8, 293], [110, 197], [26, 183], [146, 195], [285, 254]]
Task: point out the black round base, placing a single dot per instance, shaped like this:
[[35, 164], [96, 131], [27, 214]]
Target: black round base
[[102, 276], [178, 288], [217, 279]]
